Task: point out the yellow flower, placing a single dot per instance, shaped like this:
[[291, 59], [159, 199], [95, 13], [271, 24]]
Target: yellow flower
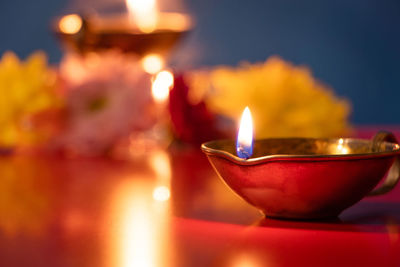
[[26, 88], [285, 100]]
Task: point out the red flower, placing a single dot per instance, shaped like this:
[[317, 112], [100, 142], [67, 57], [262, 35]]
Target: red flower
[[192, 123]]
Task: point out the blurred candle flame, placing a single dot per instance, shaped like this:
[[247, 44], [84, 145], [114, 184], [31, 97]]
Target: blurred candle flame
[[162, 83], [143, 13], [244, 144], [70, 24], [152, 63]]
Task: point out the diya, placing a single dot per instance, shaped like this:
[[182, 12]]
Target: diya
[[305, 178], [138, 31]]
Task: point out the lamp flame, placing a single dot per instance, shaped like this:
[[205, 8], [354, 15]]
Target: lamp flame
[[244, 144], [70, 24], [161, 85], [143, 13], [152, 63]]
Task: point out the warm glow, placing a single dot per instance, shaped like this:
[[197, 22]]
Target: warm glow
[[140, 225], [138, 237], [244, 145], [174, 21], [161, 165], [70, 24], [246, 260], [161, 193], [161, 85], [392, 230], [143, 13], [152, 63], [340, 148]]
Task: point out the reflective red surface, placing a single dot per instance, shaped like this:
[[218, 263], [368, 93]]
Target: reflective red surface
[[170, 209]]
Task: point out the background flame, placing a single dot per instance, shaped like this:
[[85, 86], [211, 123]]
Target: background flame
[[152, 63], [143, 13], [161, 85], [70, 24]]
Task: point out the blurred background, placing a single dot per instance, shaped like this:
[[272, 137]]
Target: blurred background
[[353, 46]]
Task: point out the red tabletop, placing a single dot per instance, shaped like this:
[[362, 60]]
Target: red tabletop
[[168, 208]]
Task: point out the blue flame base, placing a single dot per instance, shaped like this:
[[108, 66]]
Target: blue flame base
[[244, 152]]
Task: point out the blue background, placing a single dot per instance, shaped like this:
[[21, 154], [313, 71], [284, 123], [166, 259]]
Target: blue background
[[353, 46]]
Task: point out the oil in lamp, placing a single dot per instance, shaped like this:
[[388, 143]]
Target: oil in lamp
[[304, 178]]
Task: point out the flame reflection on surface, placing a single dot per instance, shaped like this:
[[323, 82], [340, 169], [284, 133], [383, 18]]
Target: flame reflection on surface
[[141, 226], [138, 241], [141, 216], [245, 260], [161, 165], [161, 193]]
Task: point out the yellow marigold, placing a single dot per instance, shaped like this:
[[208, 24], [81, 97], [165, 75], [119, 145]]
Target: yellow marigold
[[25, 89], [285, 100]]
